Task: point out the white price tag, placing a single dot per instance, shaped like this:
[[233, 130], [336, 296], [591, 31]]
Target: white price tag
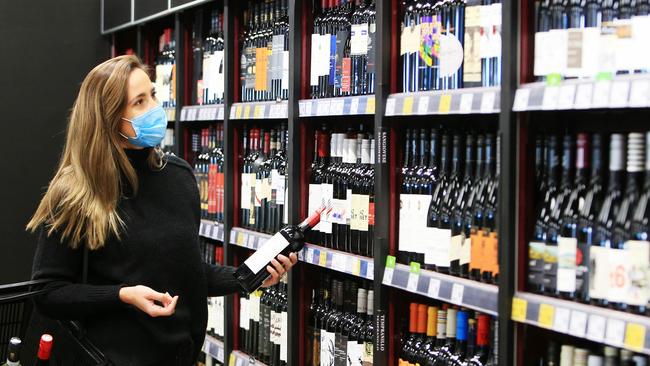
[[434, 288], [521, 100], [423, 105], [388, 275], [341, 261], [601, 94], [232, 112], [261, 242], [567, 96], [354, 106], [578, 324], [619, 94], [348, 264], [584, 95], [640, 93], [466, 101], [250, 242], [323, 108], [301, 255], [370, 271], [457, 291], [310, 255], [239, 362], [615, 332], [390, 107], [596, 328], [220, 355], [412, 284], [337, 107], [308, 109], [551, 96], [301, 108], [184, 114], [220, 113], [487, 103], [562, 320]]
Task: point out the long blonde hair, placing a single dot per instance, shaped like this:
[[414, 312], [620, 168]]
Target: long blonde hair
[[80, 203]]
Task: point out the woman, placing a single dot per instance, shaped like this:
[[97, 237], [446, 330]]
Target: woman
[[138, 213]]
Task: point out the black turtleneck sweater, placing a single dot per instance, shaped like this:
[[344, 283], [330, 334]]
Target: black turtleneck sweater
[[160, 249]]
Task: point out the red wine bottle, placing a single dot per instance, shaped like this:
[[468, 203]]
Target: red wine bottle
[[291, 238]]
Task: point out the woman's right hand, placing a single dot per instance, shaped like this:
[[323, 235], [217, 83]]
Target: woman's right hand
[[144, 298]]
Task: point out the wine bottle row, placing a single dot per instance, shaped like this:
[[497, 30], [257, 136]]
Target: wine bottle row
[[340, 323], [342, 49], [590, 239], [570, 355], [448, 203], [444, 335], [208, 54], [166, 69], [342, 177], [167, 144], [212, 253], [15, 346], [586, 38], [207, 149], [264, 63], [263, 179], [450, 44], [263, 326]]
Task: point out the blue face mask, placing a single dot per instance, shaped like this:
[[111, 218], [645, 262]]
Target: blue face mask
[[149, 127]]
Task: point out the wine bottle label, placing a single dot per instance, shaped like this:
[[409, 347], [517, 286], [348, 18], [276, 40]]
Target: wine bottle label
[[598, 272], [348, 207], [278, 49], [250, 73], [355, 353], [316, 349], [219, 321], [284, 83], [536, 252], [342, 37], [617, 267], [263, 256], [472, 62], [324, 58], [566, 267], [455, 246], [258, 191], [210, 320], [359, 39], [340, 351], [582, 270], [315, 52], [332, 58], [254, 307], [638, 253], [370, 67], [266, 189], [261, 58], [245, 191], [219, 85], [368, 352], [466, 251], [327, 194], [276, 323], [405, 223], [410, 39], [346, 66], [338, 214], [244, 315], [441, 247], [327, 348], [371, 214], [315, 201], [550, 267], [285, 211], [363, 202], [284, 334]]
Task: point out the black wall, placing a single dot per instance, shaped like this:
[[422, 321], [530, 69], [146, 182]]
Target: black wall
[[46, 49]]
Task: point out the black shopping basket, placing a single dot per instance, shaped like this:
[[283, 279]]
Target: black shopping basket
[[16, 308]]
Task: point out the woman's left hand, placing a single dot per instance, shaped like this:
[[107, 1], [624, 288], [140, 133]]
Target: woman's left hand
[[280, 265]]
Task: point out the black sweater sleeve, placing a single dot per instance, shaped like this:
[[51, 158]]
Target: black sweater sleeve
[[68, 299], [221, 280]]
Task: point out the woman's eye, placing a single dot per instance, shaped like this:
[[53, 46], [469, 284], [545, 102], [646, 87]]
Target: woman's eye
[[138, 102]]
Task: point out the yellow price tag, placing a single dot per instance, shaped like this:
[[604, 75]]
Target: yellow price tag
[[407, 108], [356, 267], [247, 111], [635, 336], [231, 361], [445, 104], [519, 307], [238, 112], [370, 105], [258, 113], [546, 315], [240, 239], [322, 260]]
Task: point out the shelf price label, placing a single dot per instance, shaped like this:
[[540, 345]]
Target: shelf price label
[[434, 288], [220, 113], [640, 93], [259, 111], [519, 308], [370, 105], [457, 291], [247, 111], [601, 94], [220, 354], [551, 97], [584, 95], [596, 328], [635, 336], [231, 360], [238, 111], [545, 316], [445, 104], [414, 276], [323, 107], [466, 101], [322, 260], [390, 268], [354, 106], [487, 103], [308, 109], [356, 266], [562, 320], [578, 324], [309, 255], [615, 333], [521, 100], [240, 239], [337, 107], [301, 108], [620, 93], [423, 105], [407, 107], [567, 96]]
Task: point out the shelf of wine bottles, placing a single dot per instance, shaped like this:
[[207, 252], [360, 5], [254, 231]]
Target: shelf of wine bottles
[[590, 239], [208, 160], [342, 59], [342, 177], [264, 63], [259, 110], [448, 203], [340, 322], [263, 323], [475, 295], [165, 69], [211, 229], [214, 348], [619, 91], [342, 106], [461, 101], [568, 352], [351, 264], [602, 325], [445, 335], [208, 74], [248, 238], [448, 44], [202, 113]]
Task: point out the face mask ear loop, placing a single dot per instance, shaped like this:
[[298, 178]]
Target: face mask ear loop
[[120, 132]]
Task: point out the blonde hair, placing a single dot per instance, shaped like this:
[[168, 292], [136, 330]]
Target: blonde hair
[[80, 203]]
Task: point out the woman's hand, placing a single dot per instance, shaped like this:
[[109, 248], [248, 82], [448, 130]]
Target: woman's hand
[[281, 265], [149, 301]]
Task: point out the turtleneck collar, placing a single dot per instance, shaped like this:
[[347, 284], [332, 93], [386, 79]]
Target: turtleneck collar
[[138, 157]]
